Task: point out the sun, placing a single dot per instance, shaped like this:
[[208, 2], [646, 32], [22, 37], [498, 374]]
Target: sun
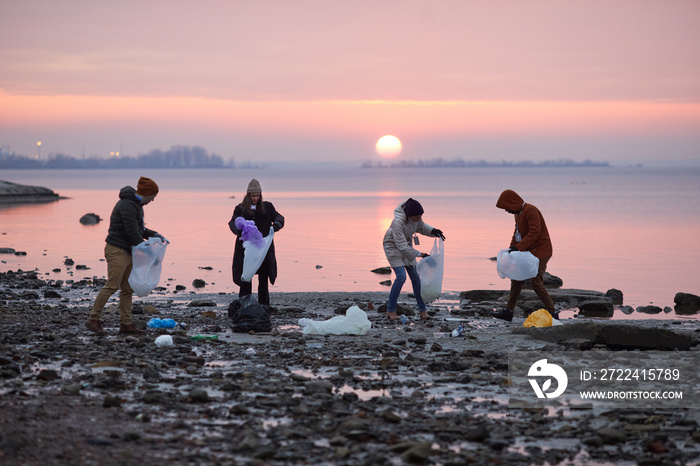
[[389, 146]]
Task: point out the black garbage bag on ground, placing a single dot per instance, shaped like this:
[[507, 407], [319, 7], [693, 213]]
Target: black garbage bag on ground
[[247, 314]]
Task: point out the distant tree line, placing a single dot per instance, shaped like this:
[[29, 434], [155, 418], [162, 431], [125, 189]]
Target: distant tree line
[[175, 157], [459, 163]]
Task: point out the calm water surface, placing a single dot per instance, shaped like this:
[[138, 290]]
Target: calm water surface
[[626, 228]]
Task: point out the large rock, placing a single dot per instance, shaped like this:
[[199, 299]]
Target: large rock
[[601, 307], [549, 280], [616, 296], [686, 303], [651, 309], [90, 219], [478, 296], [19, 193], [616, 336]]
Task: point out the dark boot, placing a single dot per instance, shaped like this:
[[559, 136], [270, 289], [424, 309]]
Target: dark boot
[[95, 326], [503, 314], [555, 315], [129, 329]]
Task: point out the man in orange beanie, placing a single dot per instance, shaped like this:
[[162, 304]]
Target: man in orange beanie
[[126, 229], [530, 234]]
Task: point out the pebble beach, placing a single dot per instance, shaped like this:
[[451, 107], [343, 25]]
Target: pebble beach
[[400, 394]]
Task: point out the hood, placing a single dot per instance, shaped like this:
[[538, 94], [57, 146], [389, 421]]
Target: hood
[[127, 192], [510, 200], [399, 212]]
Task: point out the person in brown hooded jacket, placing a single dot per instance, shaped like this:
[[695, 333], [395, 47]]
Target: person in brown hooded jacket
[[530, 234]]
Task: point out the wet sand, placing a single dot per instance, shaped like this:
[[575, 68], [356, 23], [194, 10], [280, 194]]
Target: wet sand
[[400, 394]]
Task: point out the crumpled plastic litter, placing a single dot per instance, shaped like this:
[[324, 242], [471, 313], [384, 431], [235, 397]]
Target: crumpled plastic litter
[[354, 322], [249, 232], [161, 323], [164, 340], [539, 318]]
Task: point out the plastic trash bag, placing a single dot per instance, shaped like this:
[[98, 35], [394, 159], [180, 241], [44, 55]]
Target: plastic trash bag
[[247, 314], [147, 260], [249, 232], [255, 247], [517, 265], [161, 323], [539, 318], [430, 270], [164, 340], [354, 322]]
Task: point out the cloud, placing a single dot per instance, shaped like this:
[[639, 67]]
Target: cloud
[[363, 50]]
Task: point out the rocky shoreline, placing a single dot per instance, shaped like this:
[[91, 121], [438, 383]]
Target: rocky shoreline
[[400, 394], [13, 193]]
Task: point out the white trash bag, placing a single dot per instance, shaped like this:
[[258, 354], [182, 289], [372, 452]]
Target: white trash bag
[[354, 322], [147, 260], [517, 265], [255, 247], [430, 270]]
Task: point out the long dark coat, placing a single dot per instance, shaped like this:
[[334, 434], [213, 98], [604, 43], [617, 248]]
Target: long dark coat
[[263, 220]]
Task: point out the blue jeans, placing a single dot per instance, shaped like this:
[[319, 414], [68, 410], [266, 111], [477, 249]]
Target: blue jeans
[[398, 284]]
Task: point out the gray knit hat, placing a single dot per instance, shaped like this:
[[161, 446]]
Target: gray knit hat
[[254, 187]]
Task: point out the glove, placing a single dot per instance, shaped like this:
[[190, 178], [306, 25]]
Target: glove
[[162, 238], [438, 233], [276, 227], [511, 249]]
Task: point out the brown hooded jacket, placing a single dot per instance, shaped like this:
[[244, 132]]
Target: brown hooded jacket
[[529, 223]]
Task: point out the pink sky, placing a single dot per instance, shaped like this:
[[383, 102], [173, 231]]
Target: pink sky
[[318, 80]]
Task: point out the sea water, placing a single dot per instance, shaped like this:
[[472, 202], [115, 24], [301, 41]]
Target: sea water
[[630, 228]]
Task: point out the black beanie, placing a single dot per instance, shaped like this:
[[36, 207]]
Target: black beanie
[[413, 208]]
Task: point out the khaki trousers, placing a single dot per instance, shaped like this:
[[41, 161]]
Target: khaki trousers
[[118, 271], [537, 283]]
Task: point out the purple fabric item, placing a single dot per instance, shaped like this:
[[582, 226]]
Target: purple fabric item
[[249, 232]]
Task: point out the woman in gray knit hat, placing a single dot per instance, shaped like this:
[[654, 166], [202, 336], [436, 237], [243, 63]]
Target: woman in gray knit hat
[[264, 215]]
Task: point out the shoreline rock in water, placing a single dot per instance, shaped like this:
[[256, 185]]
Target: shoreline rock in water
[[13, 193], [399, 394]]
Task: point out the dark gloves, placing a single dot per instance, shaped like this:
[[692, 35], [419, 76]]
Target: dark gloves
[[437, 233], [511, 249], [276, 226]]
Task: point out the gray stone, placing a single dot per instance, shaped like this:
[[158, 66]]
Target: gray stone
[[382, 270], [318, 386], [649, 309], [617, 336], [90, 219], [549, 280], [597, 308], [615, 295], [18, 193], [686, 303], [202, 303], [478, 296], [198, 395]]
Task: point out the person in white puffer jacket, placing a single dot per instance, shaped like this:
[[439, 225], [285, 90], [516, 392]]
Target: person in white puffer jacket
[[398, 247]]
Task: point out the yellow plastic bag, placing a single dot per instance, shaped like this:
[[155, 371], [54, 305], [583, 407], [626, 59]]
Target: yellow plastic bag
[[539, 318]]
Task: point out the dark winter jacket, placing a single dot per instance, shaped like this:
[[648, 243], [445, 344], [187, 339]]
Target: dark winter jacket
[[263, 220], [126, 226], [529, 223]]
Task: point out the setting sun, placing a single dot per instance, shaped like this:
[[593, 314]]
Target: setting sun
[[389, 146]]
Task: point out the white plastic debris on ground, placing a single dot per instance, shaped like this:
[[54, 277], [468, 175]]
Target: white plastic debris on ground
[[354, 322]]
